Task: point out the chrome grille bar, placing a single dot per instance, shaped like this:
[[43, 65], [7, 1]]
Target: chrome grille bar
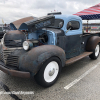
[[10, 59]]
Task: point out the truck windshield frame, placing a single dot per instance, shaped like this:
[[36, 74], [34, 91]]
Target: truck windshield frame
[[58, 23]]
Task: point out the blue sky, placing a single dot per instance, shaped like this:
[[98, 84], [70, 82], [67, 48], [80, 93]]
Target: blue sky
[[11, 10]]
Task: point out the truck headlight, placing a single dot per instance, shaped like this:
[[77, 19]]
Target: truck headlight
[[27, 45]]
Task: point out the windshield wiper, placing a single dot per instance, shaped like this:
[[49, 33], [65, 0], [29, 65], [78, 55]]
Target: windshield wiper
[[53, 27]]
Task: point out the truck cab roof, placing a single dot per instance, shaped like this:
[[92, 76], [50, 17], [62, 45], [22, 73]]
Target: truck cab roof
[[67, 17]]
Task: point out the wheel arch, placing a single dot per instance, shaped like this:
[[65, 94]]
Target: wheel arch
[[49, 74], [92, 42]]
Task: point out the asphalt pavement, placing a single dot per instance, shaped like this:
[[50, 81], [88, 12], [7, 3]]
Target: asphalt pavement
[[78, 81]]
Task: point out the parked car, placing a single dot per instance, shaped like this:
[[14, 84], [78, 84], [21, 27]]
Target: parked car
[[42, 46], [3, 30]]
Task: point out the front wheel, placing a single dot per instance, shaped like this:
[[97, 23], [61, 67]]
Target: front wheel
[[95, 53], [49, 72]]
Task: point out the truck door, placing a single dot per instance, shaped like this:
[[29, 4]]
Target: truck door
[[73, 38]]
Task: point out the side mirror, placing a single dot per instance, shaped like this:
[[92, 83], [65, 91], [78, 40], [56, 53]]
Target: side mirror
[[69, 26]]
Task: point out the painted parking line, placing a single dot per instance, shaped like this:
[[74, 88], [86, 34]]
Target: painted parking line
[[81, 77]]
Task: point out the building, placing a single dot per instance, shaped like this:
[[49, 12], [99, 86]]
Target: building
[[91, 27]]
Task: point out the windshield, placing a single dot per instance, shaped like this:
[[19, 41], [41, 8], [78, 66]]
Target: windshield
[[1, 29], [6, 28], [58, 23]]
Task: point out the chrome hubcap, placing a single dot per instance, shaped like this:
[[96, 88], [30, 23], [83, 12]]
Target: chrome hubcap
[[51, 72]]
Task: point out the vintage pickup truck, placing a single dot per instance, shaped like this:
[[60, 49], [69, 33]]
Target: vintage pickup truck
[[42, 46]]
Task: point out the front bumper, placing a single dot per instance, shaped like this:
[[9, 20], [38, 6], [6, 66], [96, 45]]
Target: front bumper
[[14, 72]]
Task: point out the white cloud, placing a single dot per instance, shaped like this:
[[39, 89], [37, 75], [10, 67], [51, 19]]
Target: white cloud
[[11, 10]]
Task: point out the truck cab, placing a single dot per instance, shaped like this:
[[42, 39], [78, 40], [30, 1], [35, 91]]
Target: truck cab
[[72, 38]]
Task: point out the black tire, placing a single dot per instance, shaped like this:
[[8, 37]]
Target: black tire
[[54, 72], [95, 53]]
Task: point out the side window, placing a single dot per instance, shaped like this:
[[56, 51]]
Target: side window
[[73, 25]]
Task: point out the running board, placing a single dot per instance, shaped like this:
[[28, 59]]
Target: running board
[[74, 59]]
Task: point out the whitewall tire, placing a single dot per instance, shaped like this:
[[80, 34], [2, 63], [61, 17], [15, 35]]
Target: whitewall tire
[[49, 72], [95, 53]]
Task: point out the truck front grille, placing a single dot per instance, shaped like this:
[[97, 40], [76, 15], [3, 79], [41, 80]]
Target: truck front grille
[[13, 43], [9, 59], [1, 58]]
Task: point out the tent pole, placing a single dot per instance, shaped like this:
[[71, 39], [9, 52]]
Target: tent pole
[[87, 26]]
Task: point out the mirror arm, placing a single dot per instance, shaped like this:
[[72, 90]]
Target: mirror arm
[[68, 30]]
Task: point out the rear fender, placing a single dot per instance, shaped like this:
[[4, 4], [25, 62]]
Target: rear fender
[[92, 42]]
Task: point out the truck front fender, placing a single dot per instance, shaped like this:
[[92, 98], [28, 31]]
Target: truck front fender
[[92, 42], [32, 60]]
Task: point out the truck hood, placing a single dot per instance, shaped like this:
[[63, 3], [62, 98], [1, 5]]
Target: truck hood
[[37, 23], [16, 24]]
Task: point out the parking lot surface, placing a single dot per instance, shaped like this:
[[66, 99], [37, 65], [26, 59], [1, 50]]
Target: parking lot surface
[[78, 81]]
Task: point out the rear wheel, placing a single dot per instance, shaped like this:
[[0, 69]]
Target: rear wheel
[[95, 53], [49, 72]]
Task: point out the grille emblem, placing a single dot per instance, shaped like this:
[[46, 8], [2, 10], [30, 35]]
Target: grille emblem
[[17, 41]]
